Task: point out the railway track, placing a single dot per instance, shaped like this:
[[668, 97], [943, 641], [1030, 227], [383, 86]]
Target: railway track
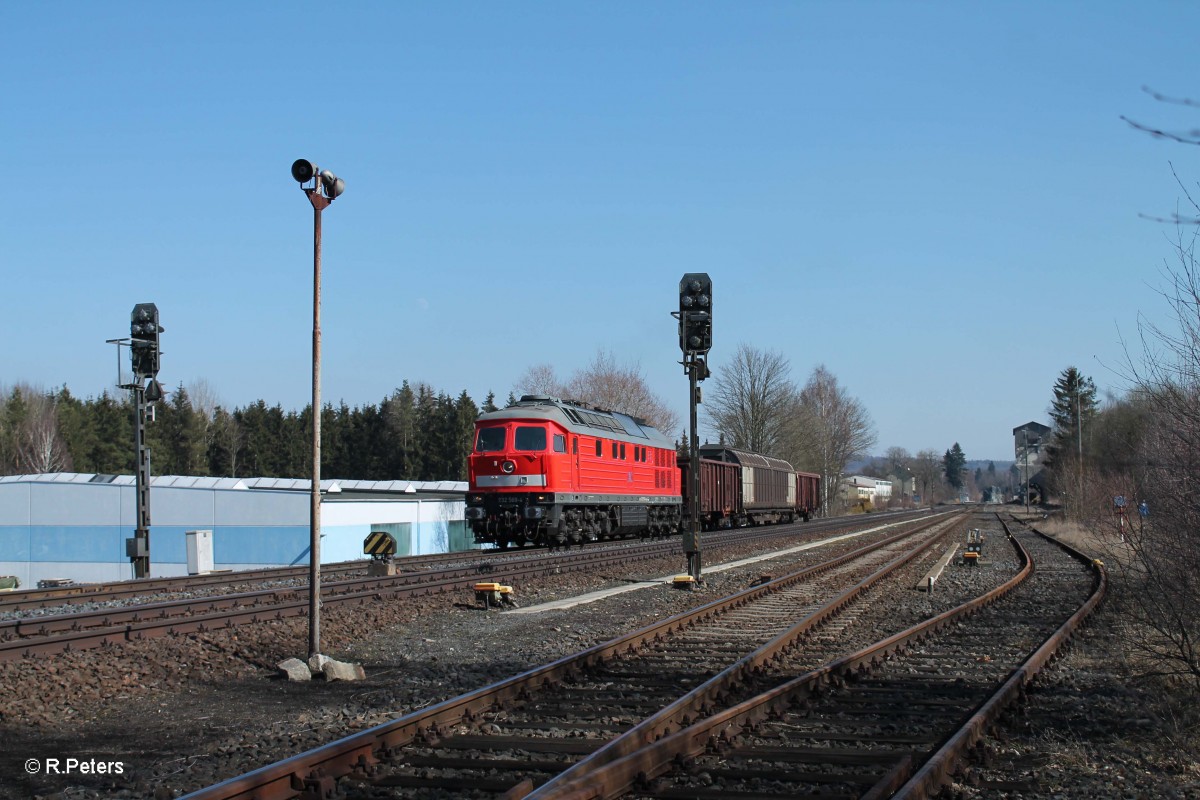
[[108, 626], [181, 586], [515, 734], [889, 720], [78, 594], [46, 634]]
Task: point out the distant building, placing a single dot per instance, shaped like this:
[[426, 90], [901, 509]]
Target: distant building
[[1028, 443], [71, 525], [859, 488]]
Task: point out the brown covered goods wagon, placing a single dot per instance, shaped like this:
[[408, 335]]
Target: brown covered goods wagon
[[808, 493], [720, 492], [768, 485]]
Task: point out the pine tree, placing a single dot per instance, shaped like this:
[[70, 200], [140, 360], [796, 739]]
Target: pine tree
[[114, 450], [465, 414], [952, 464], [78, 430], [1073, 408]]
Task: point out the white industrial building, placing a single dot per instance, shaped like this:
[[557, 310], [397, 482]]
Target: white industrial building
[[860, 488], [74, 526]]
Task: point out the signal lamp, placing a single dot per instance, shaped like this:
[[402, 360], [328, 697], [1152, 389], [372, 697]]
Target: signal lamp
[[695, 313]]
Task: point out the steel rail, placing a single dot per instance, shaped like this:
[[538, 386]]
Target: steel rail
[[657, 758], [357, 591], [693, 704], [938, 770], [26, 599], [315, 772], [263, 601]]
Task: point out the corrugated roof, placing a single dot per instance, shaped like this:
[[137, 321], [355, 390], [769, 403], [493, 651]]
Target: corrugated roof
[[244, 484], [174, 481]]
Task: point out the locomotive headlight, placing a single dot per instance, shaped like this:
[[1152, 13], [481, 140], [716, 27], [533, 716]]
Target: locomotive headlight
[[508, 467]]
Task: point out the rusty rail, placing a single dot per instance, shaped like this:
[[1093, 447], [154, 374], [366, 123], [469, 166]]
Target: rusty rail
[[938, 770], [314, 773], [655, 759]]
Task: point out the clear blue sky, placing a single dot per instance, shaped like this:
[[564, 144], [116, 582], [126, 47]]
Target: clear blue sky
[[938, 201]]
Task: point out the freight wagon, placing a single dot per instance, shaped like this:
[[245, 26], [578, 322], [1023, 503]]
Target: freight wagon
[[738, 488]]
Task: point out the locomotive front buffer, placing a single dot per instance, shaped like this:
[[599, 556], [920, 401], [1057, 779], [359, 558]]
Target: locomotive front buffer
[[381, 547]]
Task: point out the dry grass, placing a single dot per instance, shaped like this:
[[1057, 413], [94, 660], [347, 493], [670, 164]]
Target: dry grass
[[1074, 534]]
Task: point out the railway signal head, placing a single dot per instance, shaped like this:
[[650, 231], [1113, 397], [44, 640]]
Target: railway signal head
[[143, 334], [695, 313]]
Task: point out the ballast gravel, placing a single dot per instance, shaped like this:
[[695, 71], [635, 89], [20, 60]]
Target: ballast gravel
[[181, 713]]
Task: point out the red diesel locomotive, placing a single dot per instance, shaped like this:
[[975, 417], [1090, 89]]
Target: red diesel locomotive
[[547, 472]]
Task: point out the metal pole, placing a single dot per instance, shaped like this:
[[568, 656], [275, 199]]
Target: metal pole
[[693, 544], [1025, 443], [1079, 427], [314, 551], [141, 535]]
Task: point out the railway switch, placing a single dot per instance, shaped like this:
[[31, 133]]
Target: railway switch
[[491, 593], [381, 547]]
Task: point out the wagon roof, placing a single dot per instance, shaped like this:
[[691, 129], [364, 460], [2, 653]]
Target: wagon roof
[[744, 457]]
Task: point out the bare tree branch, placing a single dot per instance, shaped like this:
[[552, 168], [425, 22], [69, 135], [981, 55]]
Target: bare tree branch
[[829, 429], [752, 400], [605, 384]]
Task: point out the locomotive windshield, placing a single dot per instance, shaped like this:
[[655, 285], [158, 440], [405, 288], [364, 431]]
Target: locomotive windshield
[[531, 438], [490, 440]]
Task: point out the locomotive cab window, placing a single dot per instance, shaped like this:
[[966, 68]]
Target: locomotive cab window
[[530, 439], [560, 443], [622, 451], [574, 445], [490, 440], [615, 450], [599, 448]]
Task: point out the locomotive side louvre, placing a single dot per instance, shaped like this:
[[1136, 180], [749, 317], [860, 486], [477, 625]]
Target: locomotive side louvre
[[594, 474]]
